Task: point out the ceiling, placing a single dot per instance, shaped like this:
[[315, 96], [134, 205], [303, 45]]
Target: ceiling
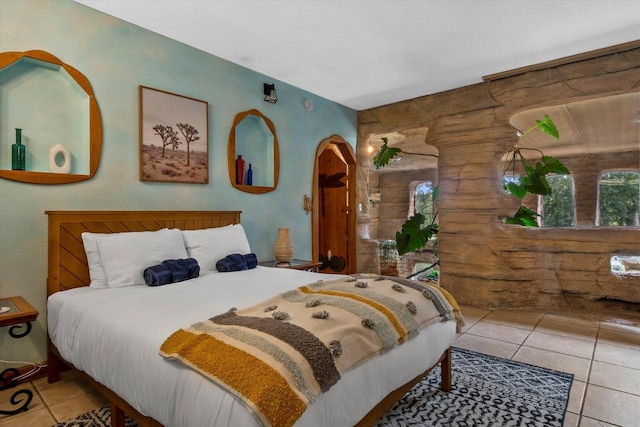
[[368, 53]]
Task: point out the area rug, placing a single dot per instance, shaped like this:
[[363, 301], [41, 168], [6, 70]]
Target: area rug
[[487, 391]]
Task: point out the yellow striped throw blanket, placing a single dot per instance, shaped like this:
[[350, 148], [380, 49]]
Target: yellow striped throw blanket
[[278, 356]]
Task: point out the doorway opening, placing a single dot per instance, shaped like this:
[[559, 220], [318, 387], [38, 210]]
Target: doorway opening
[[333, 201]]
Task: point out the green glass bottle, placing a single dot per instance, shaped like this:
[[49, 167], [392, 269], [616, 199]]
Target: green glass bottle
[[18, 152]]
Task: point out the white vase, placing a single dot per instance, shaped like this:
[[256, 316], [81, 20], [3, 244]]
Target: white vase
[[283, 249]]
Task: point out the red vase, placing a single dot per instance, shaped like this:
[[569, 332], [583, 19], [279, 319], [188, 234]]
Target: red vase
[[240, 171]]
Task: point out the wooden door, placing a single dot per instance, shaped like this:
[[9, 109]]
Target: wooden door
[[333, 210], [333, 239]]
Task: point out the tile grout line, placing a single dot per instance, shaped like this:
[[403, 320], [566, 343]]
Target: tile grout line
[[528, 335], [587, 381]]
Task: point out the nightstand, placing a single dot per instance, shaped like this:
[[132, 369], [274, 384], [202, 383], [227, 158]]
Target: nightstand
[[20, 315], [294, 264]]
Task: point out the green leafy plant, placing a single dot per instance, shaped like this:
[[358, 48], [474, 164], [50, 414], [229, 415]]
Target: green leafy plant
[[415, 234], [534, 179], [387, 153]]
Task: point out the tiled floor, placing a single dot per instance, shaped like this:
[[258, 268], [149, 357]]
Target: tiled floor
[[603, 352]]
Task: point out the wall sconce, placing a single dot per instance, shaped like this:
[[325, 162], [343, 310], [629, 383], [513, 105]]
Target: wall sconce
[[270, 93]]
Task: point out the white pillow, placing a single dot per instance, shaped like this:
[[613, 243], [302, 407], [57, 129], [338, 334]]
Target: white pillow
[[96, 270], [210, 245], [124, 256]]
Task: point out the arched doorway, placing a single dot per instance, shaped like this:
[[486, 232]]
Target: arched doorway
[[333, 200]]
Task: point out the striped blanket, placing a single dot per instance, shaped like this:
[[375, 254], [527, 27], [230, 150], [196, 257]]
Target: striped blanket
[[278, 356]]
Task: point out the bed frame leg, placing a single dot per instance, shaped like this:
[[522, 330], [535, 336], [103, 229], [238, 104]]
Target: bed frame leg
[[117, 416], [445, 367], [54, 366]]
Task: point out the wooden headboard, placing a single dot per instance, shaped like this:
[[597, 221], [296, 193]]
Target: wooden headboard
[[67, 259]]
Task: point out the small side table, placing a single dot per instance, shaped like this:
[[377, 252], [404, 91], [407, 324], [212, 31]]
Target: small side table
[[20, 315], [294, 264]]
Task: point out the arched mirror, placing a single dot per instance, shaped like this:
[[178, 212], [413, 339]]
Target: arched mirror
[[55, 109], [253, 157]]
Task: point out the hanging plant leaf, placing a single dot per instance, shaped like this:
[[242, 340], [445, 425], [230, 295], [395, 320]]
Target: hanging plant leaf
[[515, 189], [412, 236], [536, 179], [524, 216], [553, 165], [548, 127], [385, 154]]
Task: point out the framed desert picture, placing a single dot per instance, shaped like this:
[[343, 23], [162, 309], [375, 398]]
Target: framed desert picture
[[174, 135]]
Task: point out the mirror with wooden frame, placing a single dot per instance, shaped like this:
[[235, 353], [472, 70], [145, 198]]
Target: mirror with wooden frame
[[253, 138], [54, 105]]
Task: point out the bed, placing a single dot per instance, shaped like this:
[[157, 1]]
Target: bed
[[112, 336]]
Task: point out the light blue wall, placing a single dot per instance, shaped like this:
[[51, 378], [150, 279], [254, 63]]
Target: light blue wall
[[117, 57]]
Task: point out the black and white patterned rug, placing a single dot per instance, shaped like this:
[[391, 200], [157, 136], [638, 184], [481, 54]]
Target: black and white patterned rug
[[487, 391]]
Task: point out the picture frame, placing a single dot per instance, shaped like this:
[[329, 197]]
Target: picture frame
[[174, 137]]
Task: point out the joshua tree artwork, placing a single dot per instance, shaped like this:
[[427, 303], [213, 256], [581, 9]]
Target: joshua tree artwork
[[173, 138]]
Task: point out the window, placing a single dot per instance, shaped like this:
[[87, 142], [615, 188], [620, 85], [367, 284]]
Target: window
[[423, 200], [625, 265], [619, 199], [558, 208]]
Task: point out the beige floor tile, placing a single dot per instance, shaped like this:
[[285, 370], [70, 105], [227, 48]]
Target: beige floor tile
[[560, 344], [577, 366], [68, 387], [631, 327], [486, 345], [576, 396], [75, 406], [617, 355], [516, 318], [570, 420], [612, 406], [472, 315], [499, 332], [35, 404], [620, 338], [32, 418], [572, 318], [615, 377], [569, 328], [590, 422]]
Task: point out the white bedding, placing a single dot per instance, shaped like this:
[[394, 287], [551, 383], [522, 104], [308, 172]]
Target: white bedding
[[114, 336]]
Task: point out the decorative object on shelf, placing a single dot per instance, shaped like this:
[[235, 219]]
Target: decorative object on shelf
[[174, 141], [65, 167], [35, 59], [270, 93], [307, 204], [18, 153], [240, 170], [283, 249], [250, 176], [255, 135]]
